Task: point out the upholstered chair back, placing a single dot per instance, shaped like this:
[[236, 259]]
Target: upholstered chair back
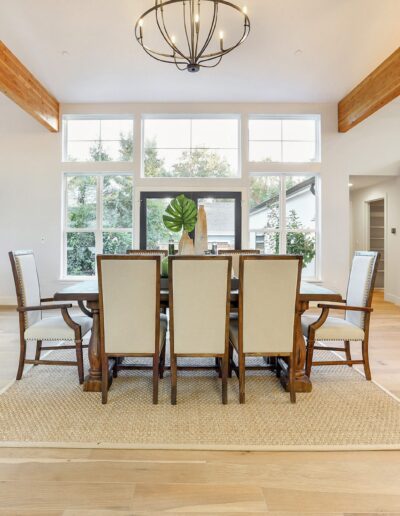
[[149, 252], [129, 303], [361, 284], [269, 288], [199, 290], [236, 256], [27, 283]]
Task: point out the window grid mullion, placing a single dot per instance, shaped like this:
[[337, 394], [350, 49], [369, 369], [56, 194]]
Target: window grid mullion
[[282, 204]]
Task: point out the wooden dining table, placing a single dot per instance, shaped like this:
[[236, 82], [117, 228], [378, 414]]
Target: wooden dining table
[[86, 293]]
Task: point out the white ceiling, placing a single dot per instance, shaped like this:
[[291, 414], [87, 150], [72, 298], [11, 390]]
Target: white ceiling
[[359, 182], [341, 42]]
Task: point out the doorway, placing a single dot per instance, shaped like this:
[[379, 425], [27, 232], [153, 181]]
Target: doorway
[[376, 236]]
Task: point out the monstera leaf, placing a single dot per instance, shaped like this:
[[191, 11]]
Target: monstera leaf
[[180, 214]]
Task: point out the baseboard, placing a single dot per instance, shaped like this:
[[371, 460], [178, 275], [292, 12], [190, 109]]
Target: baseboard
[[392, 298]]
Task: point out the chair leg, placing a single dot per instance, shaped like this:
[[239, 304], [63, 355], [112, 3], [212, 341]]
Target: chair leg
[[242, 372], [365, 355], [173, 380], [310, 354], [162, 361], [156, 363], [230, 358], [115, 368], [38, 350], [292, 379], [104, 380], [347, 351], [79, 359], [225, 367], [22, 354]]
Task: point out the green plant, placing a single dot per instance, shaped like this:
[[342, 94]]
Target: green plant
[[181, 214]]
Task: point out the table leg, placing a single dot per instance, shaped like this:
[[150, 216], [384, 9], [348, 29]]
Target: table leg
[[302, 381], [93, 379]]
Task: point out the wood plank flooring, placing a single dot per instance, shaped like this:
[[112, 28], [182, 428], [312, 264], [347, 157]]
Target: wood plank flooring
[[134, 482]]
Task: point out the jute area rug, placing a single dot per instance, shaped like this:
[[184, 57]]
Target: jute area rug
[[344, 412]]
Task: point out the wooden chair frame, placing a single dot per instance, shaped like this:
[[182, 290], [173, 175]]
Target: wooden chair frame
[[23, 310], [346, 349], [222, 358], [144, 252], [159, 353], [240, 369]]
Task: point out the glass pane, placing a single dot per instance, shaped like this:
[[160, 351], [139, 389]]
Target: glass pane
[[300, 202], [117, 201], [271, 243], [215, 134], [304, 244], [79, 130], [265, 130], [81, 251], [220, 221], [191, 148], [116, 243], [167, 134], [99, 140], [298, 130], [265, 202], [158, 236], [299, 152], [81, 201], [267, 152]]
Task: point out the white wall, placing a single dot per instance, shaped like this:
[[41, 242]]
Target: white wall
[[389, 191], [31, 171]]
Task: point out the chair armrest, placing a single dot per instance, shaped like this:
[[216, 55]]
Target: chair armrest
[[47, 300], [346, 307], [42, 307]]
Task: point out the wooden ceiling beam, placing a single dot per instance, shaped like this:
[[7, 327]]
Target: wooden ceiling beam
[[17, 82], [375, 91]]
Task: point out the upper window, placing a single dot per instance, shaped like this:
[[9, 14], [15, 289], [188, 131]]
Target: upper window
[[191, 147], [284, 139], [97, 139]]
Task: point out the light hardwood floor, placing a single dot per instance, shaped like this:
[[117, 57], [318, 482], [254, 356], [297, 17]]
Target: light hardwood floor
[[107, 482]]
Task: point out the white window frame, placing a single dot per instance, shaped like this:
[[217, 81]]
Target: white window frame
[[98, 230], [315, 117], [66, 118], [189, 116], [283, 230]]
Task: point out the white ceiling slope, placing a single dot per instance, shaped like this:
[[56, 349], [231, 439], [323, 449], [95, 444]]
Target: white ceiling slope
[[341, 42]]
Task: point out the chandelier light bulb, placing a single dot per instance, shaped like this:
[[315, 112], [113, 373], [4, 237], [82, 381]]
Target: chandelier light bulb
[[221, 34], [141, 22], [173, 39], [244, 9], [197, 18]]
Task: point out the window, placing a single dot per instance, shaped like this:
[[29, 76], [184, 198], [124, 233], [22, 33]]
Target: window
[[191, 147], [284, 139], [98, 219], [223, 211], [284, 217], [97, 139]]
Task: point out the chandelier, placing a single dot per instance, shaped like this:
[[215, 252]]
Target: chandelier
[[183, 32]]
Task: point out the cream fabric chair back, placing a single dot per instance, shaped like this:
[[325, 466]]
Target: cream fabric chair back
[[199, 291], [269, 288], [27, 282], [129, 303], [236, 257], [361, 284]]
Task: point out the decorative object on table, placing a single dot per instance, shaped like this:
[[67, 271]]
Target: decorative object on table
[[201, 238], [189, 42], [181, 215], [171, 248], [214, 248]]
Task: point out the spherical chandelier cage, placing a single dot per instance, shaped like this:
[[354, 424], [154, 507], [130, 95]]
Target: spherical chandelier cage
[[197, 47]]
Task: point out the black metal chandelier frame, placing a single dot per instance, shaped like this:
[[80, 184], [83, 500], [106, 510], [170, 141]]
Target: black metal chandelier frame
[[196, 56]]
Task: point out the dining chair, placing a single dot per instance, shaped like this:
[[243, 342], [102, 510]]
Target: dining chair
[[236, 254], [34, 327], [199, 290], [130, 321], [266, 327], [152, 252], [357, 313]]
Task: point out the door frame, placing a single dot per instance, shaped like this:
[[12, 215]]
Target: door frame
[[194, 195]]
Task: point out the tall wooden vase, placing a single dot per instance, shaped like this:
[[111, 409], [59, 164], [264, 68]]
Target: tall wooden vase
[[201, 239]]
